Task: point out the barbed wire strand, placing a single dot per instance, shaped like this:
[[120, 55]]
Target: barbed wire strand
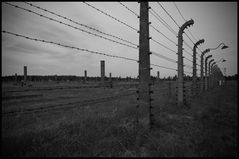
[[187, 52], [63, 106], [175, 23], [128, 9], [190, 39], [168, 14], [162, 34], [86, 26], [179, 11], [196, 39], [30, 11], [164, 67], [188, 59], [164, 57], [163, 45], [86, 50], [158, 17], [110, 16], [184, 20], [187, 45], [72, 47]]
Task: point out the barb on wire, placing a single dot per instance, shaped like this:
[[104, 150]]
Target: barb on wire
[[163, 46], [129, 9], [168, 14], [70, 25], [110, 16], [86, 26], [72, 47], [158, 17]]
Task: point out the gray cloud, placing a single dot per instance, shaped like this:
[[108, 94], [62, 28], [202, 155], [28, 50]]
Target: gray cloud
[[214, 21]]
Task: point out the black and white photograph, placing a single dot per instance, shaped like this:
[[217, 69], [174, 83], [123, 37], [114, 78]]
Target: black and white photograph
[[119, 79]]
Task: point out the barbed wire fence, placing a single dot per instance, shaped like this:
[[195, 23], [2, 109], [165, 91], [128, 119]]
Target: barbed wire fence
[[140, 88]]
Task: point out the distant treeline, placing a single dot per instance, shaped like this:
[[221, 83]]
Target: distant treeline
[[234, 77], [81, 78]]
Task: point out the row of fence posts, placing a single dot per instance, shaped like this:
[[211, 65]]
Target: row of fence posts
[[144, 106], [210, 79]]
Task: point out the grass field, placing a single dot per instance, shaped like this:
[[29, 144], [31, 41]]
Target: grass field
[[208, 128]]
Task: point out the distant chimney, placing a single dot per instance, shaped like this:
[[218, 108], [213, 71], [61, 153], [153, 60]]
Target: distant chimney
[[25, 73], [102, 70]]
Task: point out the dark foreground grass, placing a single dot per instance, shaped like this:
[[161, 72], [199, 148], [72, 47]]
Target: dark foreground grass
[[92, 137], [208, 128], [218, 116]]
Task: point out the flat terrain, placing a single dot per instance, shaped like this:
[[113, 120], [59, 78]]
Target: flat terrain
[[72, 119]]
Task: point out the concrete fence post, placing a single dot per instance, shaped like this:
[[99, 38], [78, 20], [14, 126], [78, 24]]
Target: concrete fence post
[[144, 104], [209, 73], [180, 83], [212, 74], [194, 89], [202, 80], [206, 71]]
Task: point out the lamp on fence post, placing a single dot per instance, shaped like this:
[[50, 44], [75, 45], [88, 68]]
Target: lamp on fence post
[[202, 81], [209, 73], [221, 60], [194, 65], [180, 83], [206, 73], [223, 47], [204, 52]]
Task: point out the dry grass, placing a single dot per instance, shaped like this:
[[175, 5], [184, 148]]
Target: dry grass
[[207, 129]]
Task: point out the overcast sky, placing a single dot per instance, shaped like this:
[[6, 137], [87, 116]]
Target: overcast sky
[[216, 22]]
